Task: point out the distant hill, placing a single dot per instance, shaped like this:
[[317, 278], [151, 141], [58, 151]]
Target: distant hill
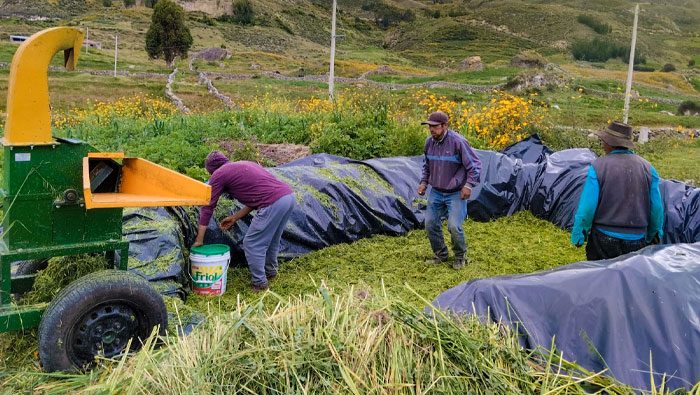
[[414, 31]]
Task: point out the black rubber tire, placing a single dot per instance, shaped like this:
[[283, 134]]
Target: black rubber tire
[[29, 267], [96, 315]]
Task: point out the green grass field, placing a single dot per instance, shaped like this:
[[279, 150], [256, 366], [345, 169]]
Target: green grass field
[[314, 302]]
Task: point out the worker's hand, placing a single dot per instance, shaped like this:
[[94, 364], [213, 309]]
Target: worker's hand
[[227, 222], [465, 193], [421, 189], [197, 243], [655, 240], [578, 239]]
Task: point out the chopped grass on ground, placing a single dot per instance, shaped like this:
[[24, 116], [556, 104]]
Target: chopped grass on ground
[[517, 244], [328, 342]]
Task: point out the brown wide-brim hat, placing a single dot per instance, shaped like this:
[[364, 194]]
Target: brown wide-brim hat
[[616, 134]]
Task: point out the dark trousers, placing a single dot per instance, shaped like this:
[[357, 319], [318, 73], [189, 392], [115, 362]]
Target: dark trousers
[[601, 246]]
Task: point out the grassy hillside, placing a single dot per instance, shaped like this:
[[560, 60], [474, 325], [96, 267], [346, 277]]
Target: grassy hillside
[[425, 40]]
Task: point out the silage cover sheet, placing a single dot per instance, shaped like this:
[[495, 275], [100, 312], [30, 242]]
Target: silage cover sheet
[[625, 308]]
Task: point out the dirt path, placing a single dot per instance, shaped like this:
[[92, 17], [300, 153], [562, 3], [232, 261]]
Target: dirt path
[[277, 153]]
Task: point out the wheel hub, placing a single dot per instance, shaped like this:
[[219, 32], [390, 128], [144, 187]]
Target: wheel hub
[[104, 331]]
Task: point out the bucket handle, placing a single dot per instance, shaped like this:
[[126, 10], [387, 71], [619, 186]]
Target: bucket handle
[[189, 271]]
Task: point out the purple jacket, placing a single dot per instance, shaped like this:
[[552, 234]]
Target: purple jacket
[[247, 182], [450, 164]]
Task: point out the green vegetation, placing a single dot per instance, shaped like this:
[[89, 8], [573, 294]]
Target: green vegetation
[[327, 342], [695, 81], [643, 68], [60, 272], [168, 35], [384, 262], [671, 161], [386, 15], [592, 22], [668, 67], [599, 50], [243, 13], [490, 76]]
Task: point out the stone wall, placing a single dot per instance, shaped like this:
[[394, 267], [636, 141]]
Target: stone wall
[[211, 7]]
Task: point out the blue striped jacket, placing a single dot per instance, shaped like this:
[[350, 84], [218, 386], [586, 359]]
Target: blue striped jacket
[[450, 164]]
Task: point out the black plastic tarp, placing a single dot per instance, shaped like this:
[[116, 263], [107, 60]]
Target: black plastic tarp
[[157, 247], [341, 200], [338, 200], [553, 193], [681, 211], [631, 314]]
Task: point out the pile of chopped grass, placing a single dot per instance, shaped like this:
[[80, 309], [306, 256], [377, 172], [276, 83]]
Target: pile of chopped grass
[[60, 272], [517, 244], [336, 343]]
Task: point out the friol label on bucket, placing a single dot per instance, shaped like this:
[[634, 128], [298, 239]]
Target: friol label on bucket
[[207, 279], [209, 264]]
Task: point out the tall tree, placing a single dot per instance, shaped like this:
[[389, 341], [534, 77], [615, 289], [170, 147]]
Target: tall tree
[[168, 35]]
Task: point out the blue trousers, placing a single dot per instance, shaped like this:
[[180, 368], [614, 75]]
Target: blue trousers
[[450, 206], [261, 243]]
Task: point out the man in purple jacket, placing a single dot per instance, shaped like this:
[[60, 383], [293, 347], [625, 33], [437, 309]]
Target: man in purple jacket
[[256, 189], [452, 168]]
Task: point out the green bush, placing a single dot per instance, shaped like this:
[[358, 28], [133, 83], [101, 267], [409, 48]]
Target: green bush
[[129, 3], [668, 67], [150, 3], [643, 68], [243, 12], [107, 3], [365, 134], [456, 12], [386, 15], [598, 26], [691, 63], [598, 50], [638, 57]]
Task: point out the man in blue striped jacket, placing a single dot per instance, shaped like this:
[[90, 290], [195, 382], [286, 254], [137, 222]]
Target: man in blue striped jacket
[[452, 169], [620, 209]]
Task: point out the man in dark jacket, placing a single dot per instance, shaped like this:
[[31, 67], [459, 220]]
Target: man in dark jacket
[[452, 168], [620, 209], [256, 189]]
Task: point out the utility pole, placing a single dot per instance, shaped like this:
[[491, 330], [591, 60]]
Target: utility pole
[[115, 55], [630, 68], [87, 37], [330, 75]]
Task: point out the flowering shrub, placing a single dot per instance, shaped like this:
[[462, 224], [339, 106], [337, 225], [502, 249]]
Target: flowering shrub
[[505, 120], [143, 107], [359, 124]]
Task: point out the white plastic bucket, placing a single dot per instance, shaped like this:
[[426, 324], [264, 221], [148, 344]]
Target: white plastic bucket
[[209, 271]]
